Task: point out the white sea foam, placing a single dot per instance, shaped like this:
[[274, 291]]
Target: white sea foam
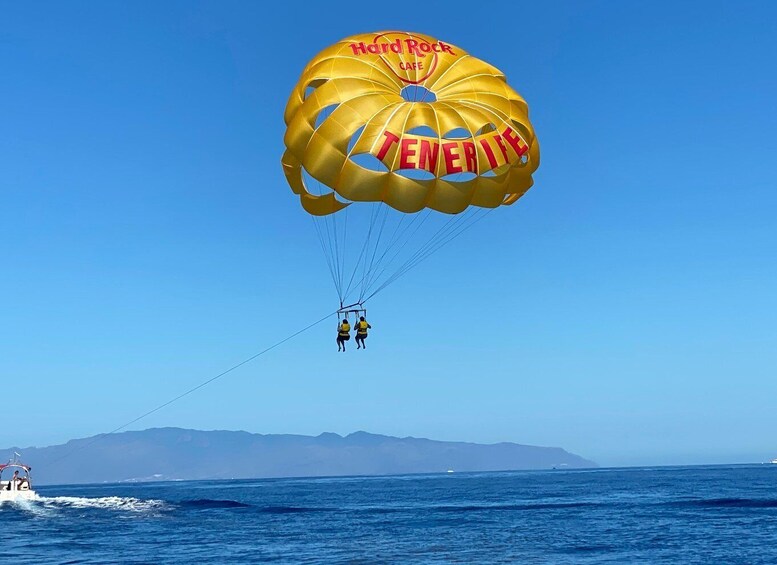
[[31, 506], [44, 506], [118, 503]]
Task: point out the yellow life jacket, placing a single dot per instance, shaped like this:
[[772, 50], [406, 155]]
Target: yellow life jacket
[[361, 328], [345, 329]]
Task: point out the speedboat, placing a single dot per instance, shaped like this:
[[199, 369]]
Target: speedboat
[[15, 481]]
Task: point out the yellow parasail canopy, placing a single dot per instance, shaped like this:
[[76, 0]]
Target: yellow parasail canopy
[[462, 138]]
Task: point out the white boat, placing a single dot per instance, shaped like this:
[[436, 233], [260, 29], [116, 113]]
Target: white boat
[[773, 461], [15, 481]]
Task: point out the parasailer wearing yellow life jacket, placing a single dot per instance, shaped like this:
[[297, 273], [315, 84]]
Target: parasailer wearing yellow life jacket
[[343, 334], [361, 333]]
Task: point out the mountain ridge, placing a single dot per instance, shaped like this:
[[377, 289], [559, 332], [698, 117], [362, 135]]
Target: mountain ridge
[[172, 453]]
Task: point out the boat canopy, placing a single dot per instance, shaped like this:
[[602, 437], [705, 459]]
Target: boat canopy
[[4, 466]]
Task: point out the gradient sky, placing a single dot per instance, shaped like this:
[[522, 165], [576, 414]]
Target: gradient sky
[[624, 309]]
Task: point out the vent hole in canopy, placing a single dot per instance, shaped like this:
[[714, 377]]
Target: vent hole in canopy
[[488, 128], [354, 139], [324, 114], [311, 88], [457, 133], [415, 174], [459, 177], [370, 162], [425, 131], [416, 93]]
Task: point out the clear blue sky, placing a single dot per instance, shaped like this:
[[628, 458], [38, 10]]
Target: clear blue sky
[[624, 309]]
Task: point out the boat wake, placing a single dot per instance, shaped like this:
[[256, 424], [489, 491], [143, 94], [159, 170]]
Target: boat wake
[[119, 503], [51, 505], [44, 505]]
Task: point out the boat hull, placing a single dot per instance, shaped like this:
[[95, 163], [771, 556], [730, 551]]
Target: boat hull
[[16, 495]]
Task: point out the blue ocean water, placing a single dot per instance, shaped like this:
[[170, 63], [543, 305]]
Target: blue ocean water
[[651, 515]]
